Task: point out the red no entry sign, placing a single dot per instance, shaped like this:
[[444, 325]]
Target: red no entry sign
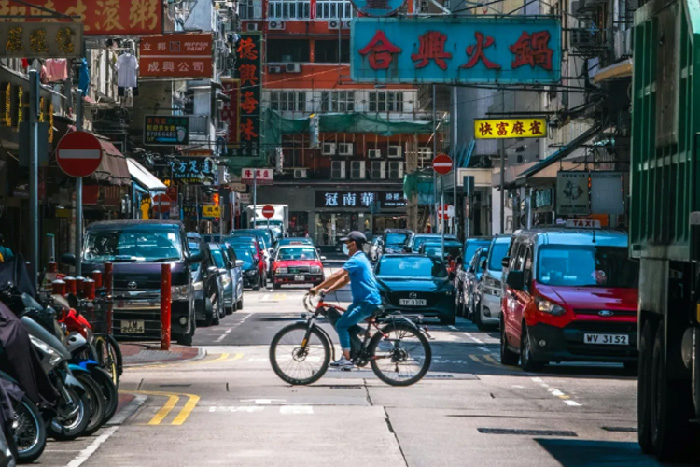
[[161, 202], [79, 154], [442, 164], [268, 211]]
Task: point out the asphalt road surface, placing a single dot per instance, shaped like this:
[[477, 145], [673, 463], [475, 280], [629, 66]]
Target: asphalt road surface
[[230, 409]]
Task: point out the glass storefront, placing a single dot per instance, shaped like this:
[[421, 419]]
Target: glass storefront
[[331, 227]]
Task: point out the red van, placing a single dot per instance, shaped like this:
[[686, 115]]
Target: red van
[[569, 295]]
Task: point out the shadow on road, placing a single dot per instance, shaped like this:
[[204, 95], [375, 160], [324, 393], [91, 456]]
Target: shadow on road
[[574, 453]]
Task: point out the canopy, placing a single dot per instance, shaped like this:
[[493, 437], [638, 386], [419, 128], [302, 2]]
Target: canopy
[[143, 177]]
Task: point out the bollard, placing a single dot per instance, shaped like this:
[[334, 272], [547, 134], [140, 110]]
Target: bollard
[[108, 283], [53, 267], [165, 301], [71, 285], [97, 277], [58, 287], [79, 284], [89, 288]]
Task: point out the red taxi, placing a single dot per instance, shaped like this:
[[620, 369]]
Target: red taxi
[[296, 264], [569, 295]]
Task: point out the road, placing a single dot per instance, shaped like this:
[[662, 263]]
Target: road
[[230, 409]]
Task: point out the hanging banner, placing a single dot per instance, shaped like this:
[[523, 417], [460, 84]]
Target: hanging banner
[[99, 18], [176, 56], [510, 128], [572, 194], [248, 68], [41, 40], [231, 113], [517, 50]]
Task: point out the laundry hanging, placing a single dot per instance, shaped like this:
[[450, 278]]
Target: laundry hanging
[[127, 65]]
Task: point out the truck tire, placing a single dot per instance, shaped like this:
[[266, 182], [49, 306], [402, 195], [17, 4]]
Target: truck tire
[[646, 345]]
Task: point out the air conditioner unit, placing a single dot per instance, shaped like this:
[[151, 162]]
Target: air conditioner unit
[[334, 24], [275, 69], [395, 169], [357, 169], [622, 44], [345, 149], [582, 38], [346, 24], [338, 169], [301, 173], [251, 27], [328, 149], [374, 153], [276, 25], [394, 152], [378, 170], [293, 67]]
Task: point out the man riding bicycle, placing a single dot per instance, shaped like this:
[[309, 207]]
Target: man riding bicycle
[[365, 292]]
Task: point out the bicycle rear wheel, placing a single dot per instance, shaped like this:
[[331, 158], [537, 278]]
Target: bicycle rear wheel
[[296, 364], [402, 357]]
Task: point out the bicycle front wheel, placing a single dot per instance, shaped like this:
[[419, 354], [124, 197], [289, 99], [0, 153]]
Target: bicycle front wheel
[[401, 354], [296, 363]]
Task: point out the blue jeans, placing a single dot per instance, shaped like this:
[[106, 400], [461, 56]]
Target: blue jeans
[[353, 315]]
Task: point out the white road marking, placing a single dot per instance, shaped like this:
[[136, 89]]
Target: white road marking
[[576, 404], [296, 410], [234, 408], [475, 339], [485, 349], [264, 297], [557, 392], [517, 386], [86, 453], [454, 328], [263, 401], [223, 336]]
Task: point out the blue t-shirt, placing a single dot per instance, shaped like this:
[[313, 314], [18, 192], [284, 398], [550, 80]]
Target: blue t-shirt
[[363, 285]]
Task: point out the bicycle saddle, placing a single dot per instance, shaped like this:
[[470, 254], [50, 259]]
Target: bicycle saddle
[[379, 311]]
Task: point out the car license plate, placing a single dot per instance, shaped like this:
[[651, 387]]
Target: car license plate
[[413, 301], [606, 339], [299, 278], [133, 326]]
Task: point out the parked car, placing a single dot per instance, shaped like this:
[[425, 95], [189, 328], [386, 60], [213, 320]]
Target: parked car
[[235, 268], [486, 312], [297, 264], [258, 255], [572, 295], [267, 235], [452, 251], [470, 246], [394, 240], [415, 283], [468, 295], [264, 249], [208, 293], [251, 271], [375, 248], [417, 239], [229, 274], [295, 241]]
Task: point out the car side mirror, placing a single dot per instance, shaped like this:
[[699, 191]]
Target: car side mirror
[[505, 262], [471, 270], [516, 280], [239, 263], [68, 258], [213, 270], [195, 258], [458, 260], [323, 258], [483, 265], [222, 271]]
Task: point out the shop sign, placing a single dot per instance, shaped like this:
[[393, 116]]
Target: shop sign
[[231, 113], [99, 18], [245, 198], [40, 40], [176, 56], [189, 211], [543, 198], [210, 211], [259, 176], [166, 130], [572, 193], [192, 170], [239, 187], [248, 72], [521, 50], [359, 199], [607, 193], [392, 199], [378, 8], [510, 128]]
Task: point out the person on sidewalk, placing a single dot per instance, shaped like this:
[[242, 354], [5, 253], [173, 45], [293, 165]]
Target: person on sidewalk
[[365, 292]]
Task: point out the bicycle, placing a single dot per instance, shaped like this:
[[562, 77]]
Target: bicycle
[[399, 352]]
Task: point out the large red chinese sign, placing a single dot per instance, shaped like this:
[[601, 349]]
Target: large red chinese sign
[[176, 56], [99, 17], [248, 63], [231, 113], [456, 50]]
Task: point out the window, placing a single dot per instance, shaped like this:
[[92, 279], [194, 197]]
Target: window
[[333, 9], [250, 9], [388, 101], [288, 9], [132, 246], [410, 266], [586, 266], [500, 250], [288, 101], [327, 51], [338, 101], [288, 51]]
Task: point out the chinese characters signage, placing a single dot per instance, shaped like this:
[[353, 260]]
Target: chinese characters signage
[[259, 176], [210, 211], [194, 171], [249, 59], [510, 128], [231, 113], [456, 50], [166, 130], [378, 7], [176, 56], [572, 194], [359, 199], [99, 17], [31, 40]]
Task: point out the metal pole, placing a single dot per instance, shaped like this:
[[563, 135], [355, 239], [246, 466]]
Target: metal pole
[[433, 208], [455, 167], [196, 205], [165, 303], [255, 197], [502, 155], [442, 219], [79, 195], [467, 199], [34, 173]]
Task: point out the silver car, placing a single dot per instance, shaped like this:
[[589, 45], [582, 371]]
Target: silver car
[[487, 312]]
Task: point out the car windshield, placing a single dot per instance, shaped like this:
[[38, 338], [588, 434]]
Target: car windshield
[[296, 254], [419, 241], [132, 245], [473, 246], [396, 238], [410, 266], [295, 241], [499, 251], [243, 253], [586, 266], [265, 234], [194, 249], [451, 249], [218, 257]]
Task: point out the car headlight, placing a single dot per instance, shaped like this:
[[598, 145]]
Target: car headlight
[[545, 306], [315, 269], [449, 292], [54, 356], [251, 272], [281, 270], [180, 292], [197, 285]]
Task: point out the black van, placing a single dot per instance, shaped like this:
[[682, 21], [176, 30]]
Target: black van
[[137, 248]]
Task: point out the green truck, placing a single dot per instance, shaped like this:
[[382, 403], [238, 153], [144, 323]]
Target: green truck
[[665, 224]]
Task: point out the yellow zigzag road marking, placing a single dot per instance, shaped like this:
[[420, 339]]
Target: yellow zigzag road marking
[[173, 398]]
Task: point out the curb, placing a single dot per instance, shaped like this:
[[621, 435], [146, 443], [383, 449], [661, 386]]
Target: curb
[[201, 353], [128, 411]]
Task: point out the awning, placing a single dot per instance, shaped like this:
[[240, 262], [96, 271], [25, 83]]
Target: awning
[[562, 152], [113, 168], [622, 69], [143, 177]]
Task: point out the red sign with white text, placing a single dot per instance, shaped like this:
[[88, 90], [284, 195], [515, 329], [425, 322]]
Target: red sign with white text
[[176, 56], [99, 18]]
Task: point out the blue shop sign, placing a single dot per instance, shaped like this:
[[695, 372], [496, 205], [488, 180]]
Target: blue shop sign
[[522, 50]]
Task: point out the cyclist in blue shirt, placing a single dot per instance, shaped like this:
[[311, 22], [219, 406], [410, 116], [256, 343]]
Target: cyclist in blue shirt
[[365, 292]]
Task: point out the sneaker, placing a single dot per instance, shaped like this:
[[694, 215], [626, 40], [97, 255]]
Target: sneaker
[[343, 364]]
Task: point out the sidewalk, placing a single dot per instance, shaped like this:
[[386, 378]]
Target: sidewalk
[[134, 354]]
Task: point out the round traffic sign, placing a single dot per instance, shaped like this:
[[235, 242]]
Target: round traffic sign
[[268, 211], [442, 164], [79, 154], [161, 203]]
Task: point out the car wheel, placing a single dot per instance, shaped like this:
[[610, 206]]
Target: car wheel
[[257, 284], [239, 304], [508, 357], [216, 315], [447, 319], [526, 361], [477, 319], [459, 303], [276, 286], [208, 312], [184, 339]]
